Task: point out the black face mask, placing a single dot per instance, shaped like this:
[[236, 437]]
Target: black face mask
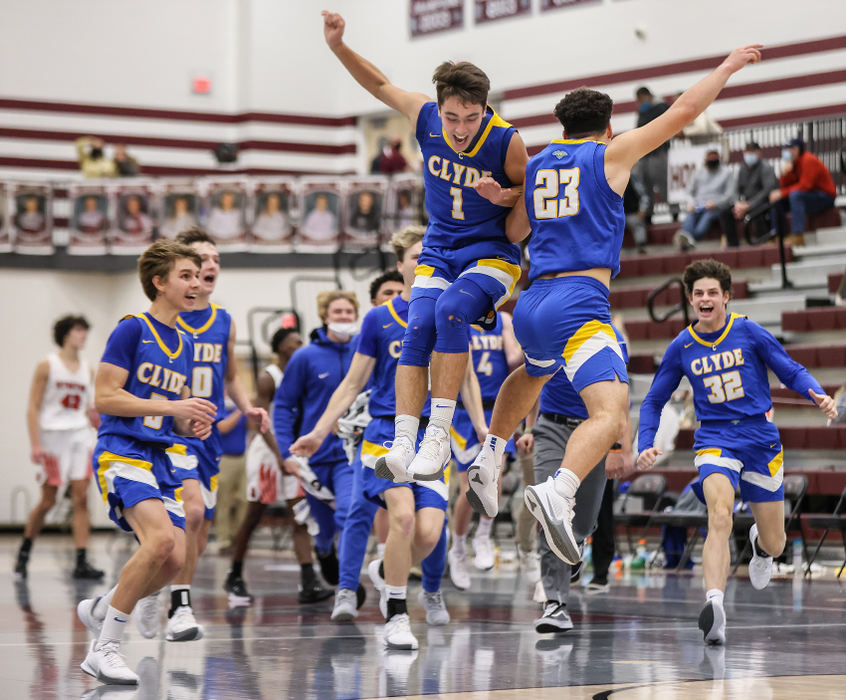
[[712, 164], [96, 153]]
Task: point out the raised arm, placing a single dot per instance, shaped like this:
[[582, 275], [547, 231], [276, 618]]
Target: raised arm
[[36, 395], [235, 387], [342, 398], [626, 149], [366, 74]]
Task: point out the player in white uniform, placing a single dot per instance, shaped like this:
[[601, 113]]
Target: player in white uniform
[[59, 418], [268, 484]]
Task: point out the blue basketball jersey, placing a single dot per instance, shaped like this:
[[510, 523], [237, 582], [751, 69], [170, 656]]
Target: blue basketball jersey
[[159, 360], [577, 220], [727, 370], [209, 329], [457, 214], [489, 360]]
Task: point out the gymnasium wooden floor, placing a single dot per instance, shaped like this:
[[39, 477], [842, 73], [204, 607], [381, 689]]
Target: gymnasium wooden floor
[[638, 641]]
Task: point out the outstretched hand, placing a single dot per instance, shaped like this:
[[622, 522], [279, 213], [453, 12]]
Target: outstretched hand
[[333, 28], [647, 458], [826, 404], [488, 188], [740, 57]]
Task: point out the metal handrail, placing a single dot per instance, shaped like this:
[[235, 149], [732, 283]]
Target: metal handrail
[[650, 301]]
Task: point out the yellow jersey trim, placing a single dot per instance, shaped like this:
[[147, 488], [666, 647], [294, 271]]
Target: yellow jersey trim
[[495, 120], [164, 348], [460, 441], [575, 141], [371, 448], [776, 463], [105, 459], [424, 271], [390, 305], [204, 327], [585, 333], [710, 451], [722, 335]]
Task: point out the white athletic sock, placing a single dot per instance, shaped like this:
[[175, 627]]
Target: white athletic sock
[[380, 550], [103, 604], [406, 426], [459, 543], [442, 412], [566, 483], [714, 594], [497, 444], [483, 530], [396, 592], [113, 626]]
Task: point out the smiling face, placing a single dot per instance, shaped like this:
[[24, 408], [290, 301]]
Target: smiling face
[[387, 290], [461, 121], [341, 311], [181, 287], [210, 270], [709, 303]]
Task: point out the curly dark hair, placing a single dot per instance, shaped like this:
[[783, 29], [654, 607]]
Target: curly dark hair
[[389, 276], [65, 325], [714, 269], [583, 112], [462, 80]]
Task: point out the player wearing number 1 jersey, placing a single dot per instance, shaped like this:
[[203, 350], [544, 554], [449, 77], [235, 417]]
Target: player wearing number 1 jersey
[[573, 205], [473, 173], [59, 418], [212, 332], [725, 358]]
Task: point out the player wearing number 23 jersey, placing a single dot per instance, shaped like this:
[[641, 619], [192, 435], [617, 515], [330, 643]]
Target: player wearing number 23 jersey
[[727, 370]]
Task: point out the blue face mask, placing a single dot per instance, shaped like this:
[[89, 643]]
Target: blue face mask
[[644, 106], [785, 154], [750, 159]]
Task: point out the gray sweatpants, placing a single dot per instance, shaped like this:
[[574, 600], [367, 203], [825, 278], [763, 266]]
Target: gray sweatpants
[[550, 443]]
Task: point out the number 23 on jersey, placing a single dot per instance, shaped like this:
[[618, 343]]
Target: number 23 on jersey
[[548, 184]]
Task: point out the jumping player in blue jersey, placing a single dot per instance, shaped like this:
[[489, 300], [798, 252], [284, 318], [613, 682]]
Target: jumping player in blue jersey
[[214, 368], [573, 206], [416, 511], [493, 354], [142, 388], [725, 358], [473, 173]]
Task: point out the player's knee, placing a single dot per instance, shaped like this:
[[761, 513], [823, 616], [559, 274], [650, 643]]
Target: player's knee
[[720, 518], [161, 544], [772, 542], [428, 538], [419, 336], [402, 522], [194, 513], [48, 500]]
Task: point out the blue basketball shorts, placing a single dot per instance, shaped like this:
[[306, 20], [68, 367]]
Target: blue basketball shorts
[[128, 471], [566, 322], [206, 467], [747, 451], [377, 436]]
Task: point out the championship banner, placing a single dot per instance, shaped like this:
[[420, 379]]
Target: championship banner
[[32, 219], [5, 230], [271, 230], [225, 213], [364, 212], [558, 4], [492, 10], [89, 221], [320, 215], [431, 16], [132, 227], [682, 162]]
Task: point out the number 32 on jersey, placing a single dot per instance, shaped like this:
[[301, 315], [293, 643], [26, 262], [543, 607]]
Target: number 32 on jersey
[[548, 186]]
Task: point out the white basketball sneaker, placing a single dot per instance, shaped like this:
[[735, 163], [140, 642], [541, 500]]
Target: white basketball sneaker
[[482, 476], [432, 457], [555, 514], [458, 573], [433, 604], [345, 606], [760, 566], [398, 633], [394, 465], [483, 548], [146, 615], [105, 663], [379, 585], [182, 627], [85, 612], [712, 622]]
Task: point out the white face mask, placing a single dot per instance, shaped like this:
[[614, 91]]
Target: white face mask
[[345, 331], [750, 159], [785, 154]]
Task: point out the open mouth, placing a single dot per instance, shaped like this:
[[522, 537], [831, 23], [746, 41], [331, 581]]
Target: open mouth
[[705, 309], [460, 139], [209, 279]]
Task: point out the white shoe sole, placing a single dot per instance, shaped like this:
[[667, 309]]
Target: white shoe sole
[[475, 500], [188, 635], [562, 543], [106, 679], [86, 616], [711, 620], [395, 473], [343, 615]]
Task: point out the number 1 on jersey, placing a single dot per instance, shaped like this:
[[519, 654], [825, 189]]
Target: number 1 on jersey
[[548, 183], [457, 203]]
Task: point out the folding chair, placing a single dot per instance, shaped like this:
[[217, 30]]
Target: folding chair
[[835, 521], [649, 487]]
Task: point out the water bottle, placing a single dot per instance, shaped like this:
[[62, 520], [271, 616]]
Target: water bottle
[[639, 559]]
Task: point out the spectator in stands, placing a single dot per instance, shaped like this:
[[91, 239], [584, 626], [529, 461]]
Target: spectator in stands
[[391, 160], [92, 158], [126, 165], [652, 168], [711, 192], [701, 130], [805, 187], [635, 205], [755, 180]]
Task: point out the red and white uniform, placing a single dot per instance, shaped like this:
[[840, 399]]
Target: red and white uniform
[[64, 430], [266, 483]]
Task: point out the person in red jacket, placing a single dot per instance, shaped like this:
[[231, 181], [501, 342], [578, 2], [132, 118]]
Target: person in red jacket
[[805, 187]]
